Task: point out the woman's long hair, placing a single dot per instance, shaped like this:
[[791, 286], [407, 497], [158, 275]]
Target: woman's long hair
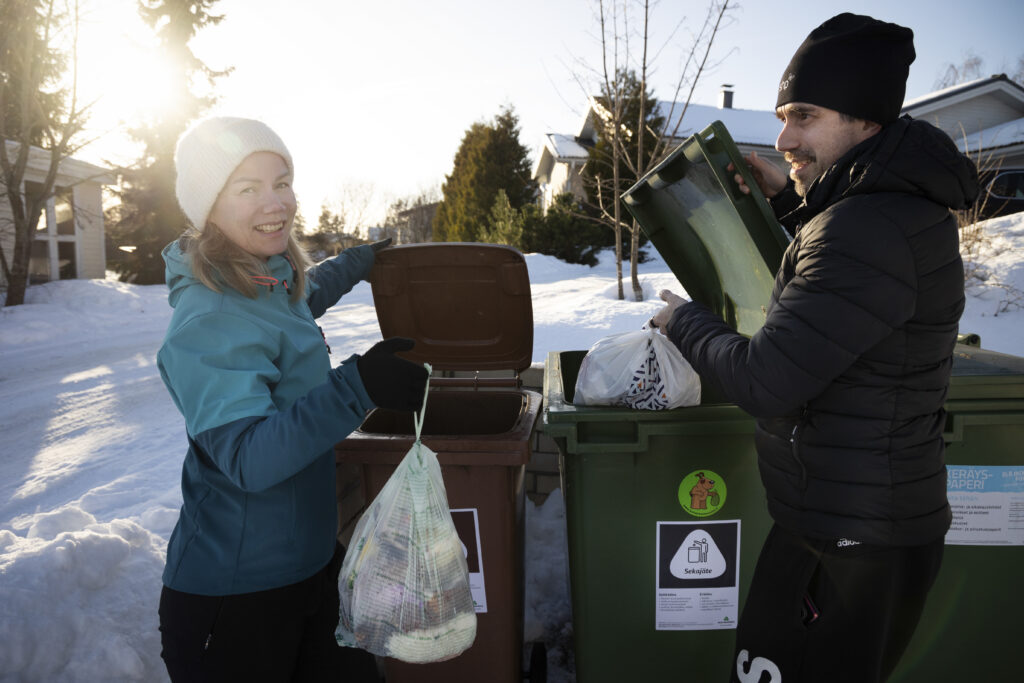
[[218, 262]]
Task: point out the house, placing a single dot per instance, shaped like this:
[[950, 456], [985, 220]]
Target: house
[[984, 117], [69, 240], [986, 114], [558, 166], [561, 158]]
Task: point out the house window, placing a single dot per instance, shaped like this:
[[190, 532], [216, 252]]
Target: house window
[[55, 245]]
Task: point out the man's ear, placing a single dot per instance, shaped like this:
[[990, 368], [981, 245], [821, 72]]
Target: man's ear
[[870, 127]]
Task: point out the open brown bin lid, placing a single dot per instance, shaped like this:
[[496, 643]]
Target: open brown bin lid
[[467, 305]]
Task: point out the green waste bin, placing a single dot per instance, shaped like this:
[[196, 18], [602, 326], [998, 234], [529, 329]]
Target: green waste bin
[[971, 627], [632, 479], [665, 510], [632, 483]]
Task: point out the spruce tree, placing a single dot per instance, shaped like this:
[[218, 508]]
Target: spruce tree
[[149, 216], [505, 224], [564, 232], [490, 158], [36, 110], [30, 102], [599, 165]]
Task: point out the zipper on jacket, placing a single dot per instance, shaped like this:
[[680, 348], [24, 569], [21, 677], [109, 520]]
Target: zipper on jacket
[[213, 625], [324, 335], [794, 443]]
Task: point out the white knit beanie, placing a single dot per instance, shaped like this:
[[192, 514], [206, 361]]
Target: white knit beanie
[[209, 152]]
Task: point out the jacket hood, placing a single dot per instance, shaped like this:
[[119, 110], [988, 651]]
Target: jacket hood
[[179, 277], [177, 271], [907, 156]]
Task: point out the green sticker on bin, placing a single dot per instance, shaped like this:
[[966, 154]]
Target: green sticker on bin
[[702, 493]]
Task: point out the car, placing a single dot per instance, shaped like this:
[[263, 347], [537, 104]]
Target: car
[[1002, 192]]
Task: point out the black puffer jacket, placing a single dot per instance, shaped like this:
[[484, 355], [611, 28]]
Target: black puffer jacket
[[849, 374]]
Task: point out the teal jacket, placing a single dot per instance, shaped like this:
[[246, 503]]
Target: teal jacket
[[263, 409]]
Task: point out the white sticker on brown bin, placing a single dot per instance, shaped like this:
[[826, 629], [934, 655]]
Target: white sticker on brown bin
[[467, 526]]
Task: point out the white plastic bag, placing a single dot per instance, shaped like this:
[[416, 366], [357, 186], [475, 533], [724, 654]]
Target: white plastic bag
[[640, 369], [404, 585]]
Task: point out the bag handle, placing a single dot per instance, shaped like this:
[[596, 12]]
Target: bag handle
[[417, 418]]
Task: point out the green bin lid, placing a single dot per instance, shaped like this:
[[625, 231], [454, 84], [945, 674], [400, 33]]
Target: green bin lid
[[982, 374], [467, 305], [722, 245]]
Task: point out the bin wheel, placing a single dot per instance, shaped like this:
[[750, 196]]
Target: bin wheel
[[538, 672]]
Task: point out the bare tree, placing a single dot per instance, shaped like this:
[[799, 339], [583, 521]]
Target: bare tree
[[967, 70], [634, 143], [613, 93], [409, 219], [353, 204], [972, 68], [39, 121]]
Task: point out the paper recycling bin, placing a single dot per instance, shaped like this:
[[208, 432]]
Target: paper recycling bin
[[971, 627], [665, 510], [469, 308]]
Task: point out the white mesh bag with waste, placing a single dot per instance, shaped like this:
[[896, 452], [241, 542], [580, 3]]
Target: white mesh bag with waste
[[404, 584], [640, 370]]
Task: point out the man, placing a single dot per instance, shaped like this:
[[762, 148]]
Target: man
[[849, 374]]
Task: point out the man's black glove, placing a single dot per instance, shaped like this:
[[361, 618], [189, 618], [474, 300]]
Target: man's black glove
[[377, 246], [393, 382]]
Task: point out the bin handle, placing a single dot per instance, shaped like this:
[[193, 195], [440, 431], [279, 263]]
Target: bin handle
[[955, 429], [956, 422]]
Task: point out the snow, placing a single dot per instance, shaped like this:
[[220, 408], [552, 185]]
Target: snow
[[93, 446], [565, 146]]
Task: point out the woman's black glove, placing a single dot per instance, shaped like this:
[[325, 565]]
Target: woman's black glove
[[392, 382], [377, 246]]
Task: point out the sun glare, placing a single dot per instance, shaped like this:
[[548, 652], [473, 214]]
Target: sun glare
[[121, 74]]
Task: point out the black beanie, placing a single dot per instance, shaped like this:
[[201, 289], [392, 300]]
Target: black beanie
[[853, 64]]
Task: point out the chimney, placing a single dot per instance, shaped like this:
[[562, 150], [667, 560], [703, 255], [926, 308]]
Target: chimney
[[725, 96]]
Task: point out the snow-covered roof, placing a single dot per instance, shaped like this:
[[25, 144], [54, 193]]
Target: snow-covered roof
[[556, 147], [69, 168], [746, 126], [1002, 135], [945, 92], [565, 146], [998, 82]]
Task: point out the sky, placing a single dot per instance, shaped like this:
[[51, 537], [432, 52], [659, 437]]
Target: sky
[[373, 98], [93, 447]]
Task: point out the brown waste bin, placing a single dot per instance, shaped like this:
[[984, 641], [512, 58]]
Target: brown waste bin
[[468, 307]]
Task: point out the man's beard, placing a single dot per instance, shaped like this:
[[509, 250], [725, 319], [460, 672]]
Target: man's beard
[[801, 185]]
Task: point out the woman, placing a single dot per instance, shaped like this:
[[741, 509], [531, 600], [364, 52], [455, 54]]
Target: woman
[[250, 585]]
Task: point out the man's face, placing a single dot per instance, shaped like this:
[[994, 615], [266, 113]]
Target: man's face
[[813, 138]]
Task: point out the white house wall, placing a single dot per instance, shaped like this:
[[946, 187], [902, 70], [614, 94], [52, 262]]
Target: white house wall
[[564, 177], [973, 115], [89, 225], [86, 182]]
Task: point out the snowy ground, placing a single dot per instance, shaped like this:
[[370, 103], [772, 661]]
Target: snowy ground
[[92, 449]]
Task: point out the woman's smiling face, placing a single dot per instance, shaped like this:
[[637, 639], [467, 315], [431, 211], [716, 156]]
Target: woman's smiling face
[[256, 207]]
